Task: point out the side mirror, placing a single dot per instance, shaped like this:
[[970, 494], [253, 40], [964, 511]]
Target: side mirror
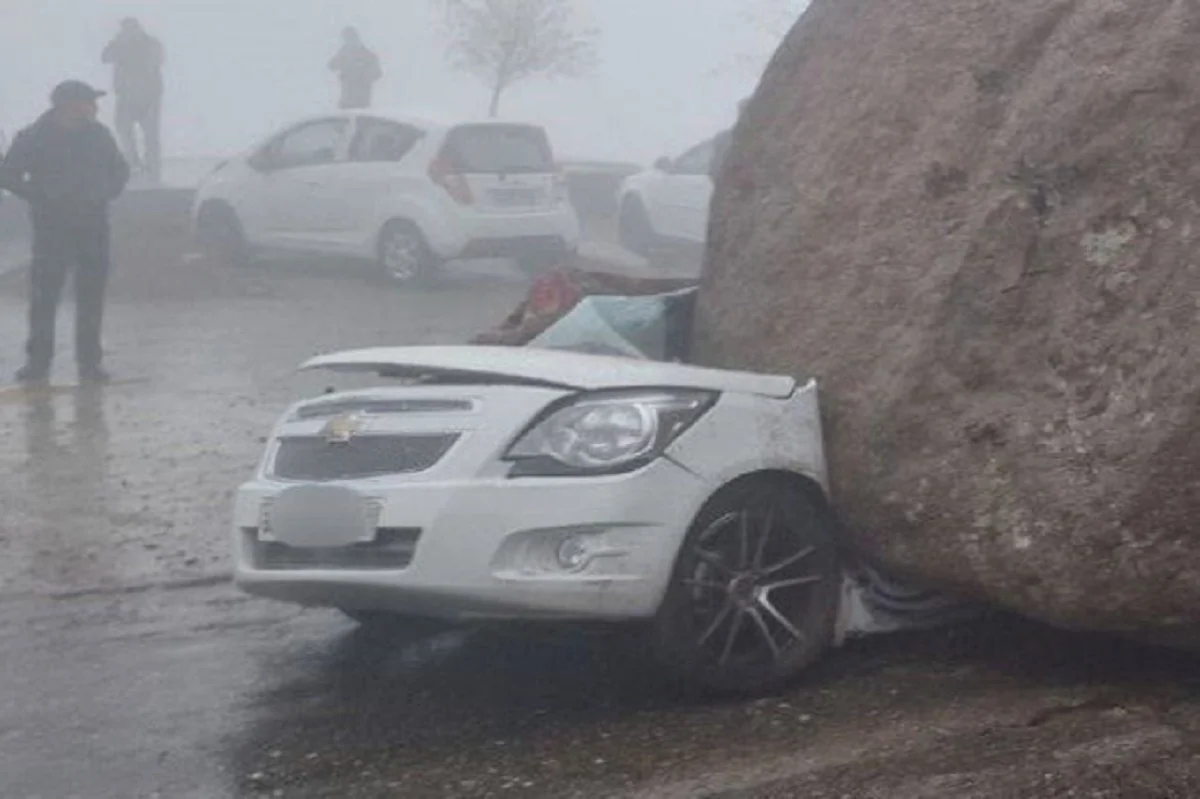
[[664, 164]]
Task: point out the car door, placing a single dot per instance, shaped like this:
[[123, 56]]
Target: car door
[[684, 193], [374, 176], [285, 204]]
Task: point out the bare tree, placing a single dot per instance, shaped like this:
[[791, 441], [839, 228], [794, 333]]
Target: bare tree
[[505, 42]]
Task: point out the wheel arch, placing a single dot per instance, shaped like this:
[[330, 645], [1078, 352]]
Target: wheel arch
[[633, 198], [420, 212], [214, 205], [630, 194], [799, 479], [806, 483], [396, 220], [217, 217]]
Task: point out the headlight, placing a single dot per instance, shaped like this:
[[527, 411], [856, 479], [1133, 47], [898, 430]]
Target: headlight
[[606, 433]]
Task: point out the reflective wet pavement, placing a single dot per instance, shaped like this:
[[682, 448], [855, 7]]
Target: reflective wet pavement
[[131, 482], [129, 667], [194, 691]]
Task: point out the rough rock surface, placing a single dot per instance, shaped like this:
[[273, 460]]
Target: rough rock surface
[[977, 224]]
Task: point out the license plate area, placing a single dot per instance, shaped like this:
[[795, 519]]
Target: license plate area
[[319, 517], [392, 550], [517, 197]]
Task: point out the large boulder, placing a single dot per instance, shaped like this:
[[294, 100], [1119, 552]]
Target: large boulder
[[977, 224]]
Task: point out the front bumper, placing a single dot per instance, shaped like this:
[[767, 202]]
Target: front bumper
[[521, 247], [489, 548]]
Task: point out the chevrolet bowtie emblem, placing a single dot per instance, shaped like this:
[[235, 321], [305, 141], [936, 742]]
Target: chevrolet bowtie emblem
[[340, 429]]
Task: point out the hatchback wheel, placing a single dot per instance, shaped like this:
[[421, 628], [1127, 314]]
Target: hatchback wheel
[[220, 236], [634, 229], [404, 256], [753, 600]]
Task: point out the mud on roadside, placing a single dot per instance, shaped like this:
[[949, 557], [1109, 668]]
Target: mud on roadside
[[1002, 709]]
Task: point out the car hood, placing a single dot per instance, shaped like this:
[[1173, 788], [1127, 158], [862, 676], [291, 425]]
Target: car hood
[[637, 180], [543, 367]]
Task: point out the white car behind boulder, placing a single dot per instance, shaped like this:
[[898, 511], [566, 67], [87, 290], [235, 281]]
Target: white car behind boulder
[[405, 193], [666, 207]]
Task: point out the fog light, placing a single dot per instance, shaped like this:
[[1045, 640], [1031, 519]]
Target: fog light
[[575, 553]]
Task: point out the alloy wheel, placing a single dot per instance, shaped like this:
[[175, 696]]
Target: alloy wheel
[[403, 256], [755, 591], [748, 587]]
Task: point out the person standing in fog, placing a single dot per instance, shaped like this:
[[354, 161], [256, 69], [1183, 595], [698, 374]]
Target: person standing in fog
[[358, 70], [137, 59], [68, 167]]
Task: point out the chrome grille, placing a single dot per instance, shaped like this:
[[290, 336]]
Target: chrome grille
[[326, 408], [392, 550], [306, 458]]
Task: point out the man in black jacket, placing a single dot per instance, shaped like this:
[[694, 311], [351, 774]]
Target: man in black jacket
[[68, 167]]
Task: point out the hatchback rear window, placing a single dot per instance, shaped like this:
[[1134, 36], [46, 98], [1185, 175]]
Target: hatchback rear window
[[499, 149]]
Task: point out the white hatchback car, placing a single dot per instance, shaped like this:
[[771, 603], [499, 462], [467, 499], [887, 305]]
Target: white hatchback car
[[534, 484], [502, 484], [667, 206], [404, 192]]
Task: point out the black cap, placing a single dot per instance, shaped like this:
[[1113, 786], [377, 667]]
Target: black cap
[[70, 92]]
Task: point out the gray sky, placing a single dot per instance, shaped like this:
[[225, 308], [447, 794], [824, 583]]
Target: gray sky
[[238, 68]]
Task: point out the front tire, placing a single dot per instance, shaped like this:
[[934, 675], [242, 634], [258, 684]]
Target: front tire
[[404, 257], [754, 596], [634, 230], [221, 237]]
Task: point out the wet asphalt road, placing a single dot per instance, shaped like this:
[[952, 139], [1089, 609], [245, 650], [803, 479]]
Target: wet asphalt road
[[110, 491], [130, 668]]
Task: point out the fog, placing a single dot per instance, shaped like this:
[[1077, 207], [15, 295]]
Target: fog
[[670, 71]]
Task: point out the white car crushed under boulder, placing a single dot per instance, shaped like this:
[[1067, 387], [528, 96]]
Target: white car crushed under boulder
[[479, 483]]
